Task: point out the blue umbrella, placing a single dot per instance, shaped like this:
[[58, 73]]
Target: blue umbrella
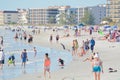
[[66, 27], [81, 24], [107, 26]]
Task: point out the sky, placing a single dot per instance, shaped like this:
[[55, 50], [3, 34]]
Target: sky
[[14, 4]]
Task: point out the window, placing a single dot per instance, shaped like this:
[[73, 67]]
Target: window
[[9, 18], [8, 14]]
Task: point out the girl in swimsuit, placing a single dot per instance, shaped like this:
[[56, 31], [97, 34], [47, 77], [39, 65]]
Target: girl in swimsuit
[[46, 65], [82, 52]]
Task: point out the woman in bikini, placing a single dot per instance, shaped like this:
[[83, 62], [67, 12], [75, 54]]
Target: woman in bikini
[[97, 67]]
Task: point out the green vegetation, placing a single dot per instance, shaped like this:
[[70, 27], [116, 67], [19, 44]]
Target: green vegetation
[[67, 19], [62, 18], [51, 20], [107, 19], [88, 18]]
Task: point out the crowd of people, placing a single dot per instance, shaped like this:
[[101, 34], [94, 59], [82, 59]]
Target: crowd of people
[[86, 45], [23, 36], [111, 36], [77, 50], [51, 38]]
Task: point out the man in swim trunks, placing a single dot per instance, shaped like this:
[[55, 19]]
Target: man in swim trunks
[[24, 58]]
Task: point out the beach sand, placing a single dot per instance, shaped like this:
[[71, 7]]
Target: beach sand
[[77, 69]]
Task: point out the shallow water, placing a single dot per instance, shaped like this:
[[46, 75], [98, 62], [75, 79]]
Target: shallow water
[[34, 65]]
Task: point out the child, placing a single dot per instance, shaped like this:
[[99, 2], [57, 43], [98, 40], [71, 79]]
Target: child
[[11, 60], [61, 62]]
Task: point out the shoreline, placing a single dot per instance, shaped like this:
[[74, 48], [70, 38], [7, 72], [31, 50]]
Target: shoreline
[[77, 69]]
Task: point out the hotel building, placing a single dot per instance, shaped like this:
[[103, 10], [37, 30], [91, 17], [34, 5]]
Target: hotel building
[[37, 16], [113, 10], [45, 15], [10, 17], [22, 16], [1, 18], [80, 13], [98, 12]]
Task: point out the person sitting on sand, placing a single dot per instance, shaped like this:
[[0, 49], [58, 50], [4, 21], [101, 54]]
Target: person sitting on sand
[[90, 58], [82, 52], [104, 37], [113, 37]]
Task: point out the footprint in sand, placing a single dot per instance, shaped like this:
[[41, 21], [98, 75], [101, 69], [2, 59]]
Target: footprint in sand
[[68, 78]]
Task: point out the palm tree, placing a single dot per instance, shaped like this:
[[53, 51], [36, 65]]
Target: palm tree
[[71, 19], [62, 18], [51, 20]]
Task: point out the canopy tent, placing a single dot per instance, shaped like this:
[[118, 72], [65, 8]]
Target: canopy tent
[[107, 26], [81, 25], [66, 27]]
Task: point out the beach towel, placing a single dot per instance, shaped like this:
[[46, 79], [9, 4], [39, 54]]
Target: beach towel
[[100, 32]]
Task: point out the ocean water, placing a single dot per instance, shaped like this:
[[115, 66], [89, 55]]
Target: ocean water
[[34, 65]]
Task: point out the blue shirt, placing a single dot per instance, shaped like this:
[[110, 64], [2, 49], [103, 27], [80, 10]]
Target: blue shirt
[[92, 42]]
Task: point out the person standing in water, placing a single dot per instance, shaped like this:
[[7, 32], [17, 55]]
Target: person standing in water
[[46, 65], [2, 58], [57, 38], [1, 40], [24, 58], [51, 38], [35, 51]]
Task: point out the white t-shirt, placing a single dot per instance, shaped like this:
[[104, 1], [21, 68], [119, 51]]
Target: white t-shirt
[[2, 55]]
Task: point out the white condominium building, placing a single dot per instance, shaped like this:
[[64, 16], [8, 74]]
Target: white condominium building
[[98, 12], [1, 18], [113, 10], [22, 16], [37, 16], [80, 13], [10, 17]]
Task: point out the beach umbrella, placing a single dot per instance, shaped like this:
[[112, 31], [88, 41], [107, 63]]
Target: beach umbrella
[[107, 26], [81, 25], [66, 27], [74, 27], [114, 27]]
